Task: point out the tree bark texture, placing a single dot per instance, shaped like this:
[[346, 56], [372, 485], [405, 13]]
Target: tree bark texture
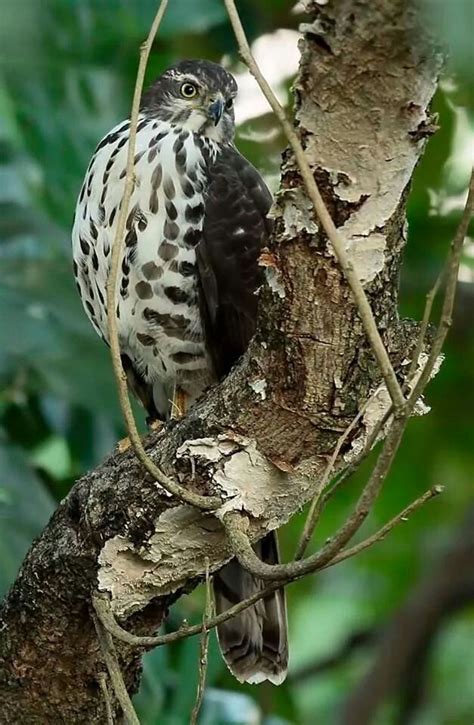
[[261, 438]]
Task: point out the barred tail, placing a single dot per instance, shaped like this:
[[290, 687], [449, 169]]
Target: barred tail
[[255, 642]]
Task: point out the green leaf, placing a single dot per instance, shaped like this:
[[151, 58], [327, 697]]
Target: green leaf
[[53, 457], [25, 507]]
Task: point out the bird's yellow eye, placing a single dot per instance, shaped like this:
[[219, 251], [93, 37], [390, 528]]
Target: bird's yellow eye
[[188, 90]]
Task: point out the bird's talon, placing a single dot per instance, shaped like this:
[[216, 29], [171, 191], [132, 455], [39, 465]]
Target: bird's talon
[[124, 444], [155, 425]]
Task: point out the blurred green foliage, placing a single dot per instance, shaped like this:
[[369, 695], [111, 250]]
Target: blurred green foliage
[[67, 72]]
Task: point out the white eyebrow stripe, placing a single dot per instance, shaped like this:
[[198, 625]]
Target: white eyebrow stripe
[[186, 77]]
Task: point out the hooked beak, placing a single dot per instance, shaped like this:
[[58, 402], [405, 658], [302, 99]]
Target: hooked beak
[[215, 110]]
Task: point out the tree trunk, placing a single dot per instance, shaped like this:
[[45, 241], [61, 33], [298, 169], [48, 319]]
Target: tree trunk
[[262, 436]]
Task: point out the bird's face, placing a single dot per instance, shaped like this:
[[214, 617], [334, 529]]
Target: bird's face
[[195, 95]]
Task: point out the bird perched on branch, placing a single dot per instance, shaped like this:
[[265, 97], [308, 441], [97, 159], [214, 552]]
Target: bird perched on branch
[[186, 297]]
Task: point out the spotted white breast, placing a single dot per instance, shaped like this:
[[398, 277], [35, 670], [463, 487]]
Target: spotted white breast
[[159, 323]]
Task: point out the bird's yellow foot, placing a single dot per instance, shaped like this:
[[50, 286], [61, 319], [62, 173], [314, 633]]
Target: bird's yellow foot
[[155, 425], [124, 444], [179, 403]]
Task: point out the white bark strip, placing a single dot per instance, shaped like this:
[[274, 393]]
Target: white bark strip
[[363, 122]]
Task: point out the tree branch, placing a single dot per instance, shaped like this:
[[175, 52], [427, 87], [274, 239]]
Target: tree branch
[[317, 503], [203, 650], [451, 276], [387, 528], [102, 605], [108, 704], [110, 658]]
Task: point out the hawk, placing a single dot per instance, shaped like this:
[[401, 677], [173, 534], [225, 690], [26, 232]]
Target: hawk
[[186, 297]]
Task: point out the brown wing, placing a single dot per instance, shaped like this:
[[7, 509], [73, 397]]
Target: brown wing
[[235, 229]]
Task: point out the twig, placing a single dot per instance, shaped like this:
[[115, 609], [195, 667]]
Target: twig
[[345, 263], [110, 658], [451, 273], [203, 649], [318, 501], [235, 523], [355, 463], [331, 554], [102, 605], [277, 573], [355, 640], [353, 466], [105, 693], [382, 533], [452, 269], [202, 502], [430, 298]]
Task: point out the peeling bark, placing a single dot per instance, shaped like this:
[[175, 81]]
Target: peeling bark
[[262, 437]]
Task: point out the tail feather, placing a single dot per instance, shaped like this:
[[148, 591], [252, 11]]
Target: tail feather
[[255, 642]]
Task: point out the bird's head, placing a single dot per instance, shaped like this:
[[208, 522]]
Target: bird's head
[[196, 95]]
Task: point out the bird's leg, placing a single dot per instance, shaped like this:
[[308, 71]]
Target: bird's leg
[[154, 424], [179, 403], [124, 444]]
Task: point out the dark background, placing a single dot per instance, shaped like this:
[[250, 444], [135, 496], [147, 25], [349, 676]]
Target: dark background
[[66, 76]]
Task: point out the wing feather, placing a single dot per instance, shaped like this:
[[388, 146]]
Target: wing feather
[[234, 231]]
